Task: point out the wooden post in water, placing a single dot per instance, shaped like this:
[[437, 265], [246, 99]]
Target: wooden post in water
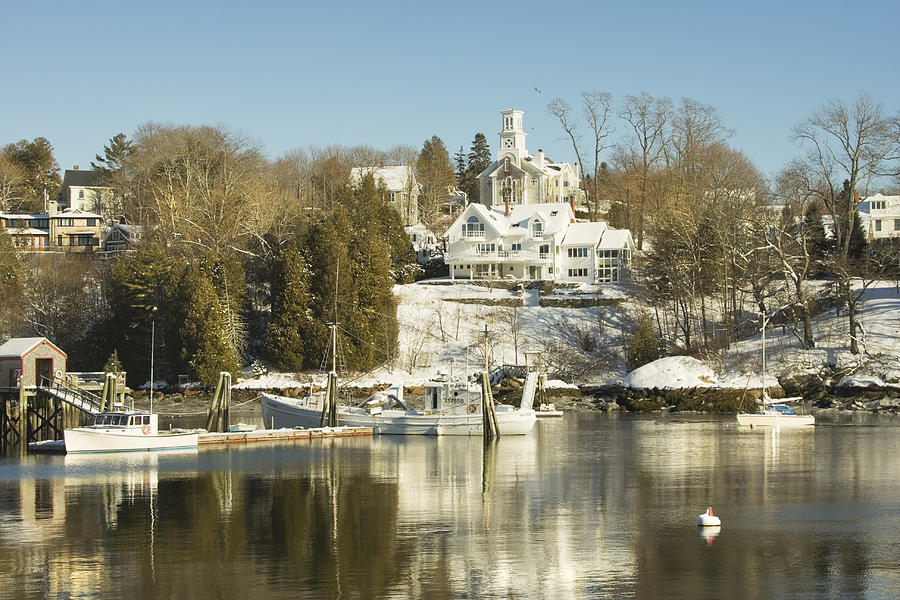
[[489, 426], [329, 406], [217, 417], [23, 418]]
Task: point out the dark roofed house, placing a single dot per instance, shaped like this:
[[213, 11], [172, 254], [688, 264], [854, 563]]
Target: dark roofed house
[[84, 190]]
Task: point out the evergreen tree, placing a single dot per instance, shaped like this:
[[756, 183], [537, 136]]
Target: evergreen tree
[[115, 154], [12, 287], [435, 173], [113, 364], [207, 345], [285, 344], [645, 344], [479, 160], [459, 159], [40, 168]]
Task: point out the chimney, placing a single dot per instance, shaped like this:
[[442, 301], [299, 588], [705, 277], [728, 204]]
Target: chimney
[[856, 196], [539, 159], [572, 205], [75, 168], [506, 203]]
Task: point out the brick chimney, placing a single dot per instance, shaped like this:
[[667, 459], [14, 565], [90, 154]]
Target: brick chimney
[[75, 168], [856, 196], [506, 203]]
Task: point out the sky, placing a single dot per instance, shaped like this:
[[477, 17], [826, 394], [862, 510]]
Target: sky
[[297, 75]]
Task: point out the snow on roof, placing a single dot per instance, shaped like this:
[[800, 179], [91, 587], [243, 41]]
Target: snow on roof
[[29, 231], [394, 177], [614, 239], [16, 347], [584, 234], [23, 216], [555, 214]]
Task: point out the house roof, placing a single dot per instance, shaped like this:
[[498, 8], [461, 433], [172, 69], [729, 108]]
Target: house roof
[[18, 347], [584, 234], [394, 177], [77, 177], [615, 239], [29, 231]]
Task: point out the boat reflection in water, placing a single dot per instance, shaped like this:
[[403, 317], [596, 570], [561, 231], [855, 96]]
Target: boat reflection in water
[[598, 508]]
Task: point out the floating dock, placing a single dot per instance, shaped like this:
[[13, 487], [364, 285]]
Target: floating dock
[[282, 435]]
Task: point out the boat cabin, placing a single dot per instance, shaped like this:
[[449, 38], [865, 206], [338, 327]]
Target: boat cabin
[[450, 395], [146, 422]]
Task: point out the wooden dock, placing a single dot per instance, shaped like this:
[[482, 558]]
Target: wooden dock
[[282, 435]]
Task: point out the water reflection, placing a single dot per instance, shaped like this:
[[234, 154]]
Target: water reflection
[[597, 507]]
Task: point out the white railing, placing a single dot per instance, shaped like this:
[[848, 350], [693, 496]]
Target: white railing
[[500, 256]]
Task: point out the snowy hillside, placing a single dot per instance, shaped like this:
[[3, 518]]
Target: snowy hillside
[[439, 322]]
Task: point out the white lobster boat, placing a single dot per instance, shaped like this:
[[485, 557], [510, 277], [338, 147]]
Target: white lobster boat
[[126, 431], [452, 407]]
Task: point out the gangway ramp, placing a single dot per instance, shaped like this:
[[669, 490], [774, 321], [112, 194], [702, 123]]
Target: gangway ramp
[[85, 401], [528, 390]]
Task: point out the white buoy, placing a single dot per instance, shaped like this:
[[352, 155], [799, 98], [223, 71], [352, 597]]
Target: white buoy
[[708, 519]]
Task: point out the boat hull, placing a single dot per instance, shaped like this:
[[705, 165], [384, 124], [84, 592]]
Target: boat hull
[[279, 412], [774, 419], [86, 440]]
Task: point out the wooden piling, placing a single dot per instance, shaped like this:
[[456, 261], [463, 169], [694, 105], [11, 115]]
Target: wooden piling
[[217, 417], [489, 425], [329, 406]]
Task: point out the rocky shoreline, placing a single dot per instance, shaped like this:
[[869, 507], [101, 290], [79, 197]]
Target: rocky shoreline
[[818, 393]]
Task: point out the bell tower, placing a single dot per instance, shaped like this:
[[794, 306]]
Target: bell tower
[[512, 137]]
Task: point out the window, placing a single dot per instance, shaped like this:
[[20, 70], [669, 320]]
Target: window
[[578, 252], [65, 222], [877, 205], [510, 268], [896, 224], [515, 247], [393, 196], [473, 228], [82, 239], [544, 251], [578, 272], [485, 248], [537, 229], [80, 194], [91, 222], [877, 224]]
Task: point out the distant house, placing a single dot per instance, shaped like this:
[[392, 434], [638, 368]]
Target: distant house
[[518, 178], [880, 216], [535, 241], [402, 188], [71, 230], [84, 191], [34, 359], [120, 238], [423, 242]]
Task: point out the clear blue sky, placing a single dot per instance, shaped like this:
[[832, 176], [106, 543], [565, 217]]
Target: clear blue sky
[[295, 74]]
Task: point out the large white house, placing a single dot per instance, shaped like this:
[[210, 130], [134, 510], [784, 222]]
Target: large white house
[[402, 188], [535, 241], [880, 216], [518, 178]]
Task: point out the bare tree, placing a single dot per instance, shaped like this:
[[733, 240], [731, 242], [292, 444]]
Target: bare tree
[[849, 146], [596, 108], [647, 117], [512, 317], [12, 185]]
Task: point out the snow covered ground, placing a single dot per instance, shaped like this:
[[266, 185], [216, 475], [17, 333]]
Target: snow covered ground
[[439, 322]]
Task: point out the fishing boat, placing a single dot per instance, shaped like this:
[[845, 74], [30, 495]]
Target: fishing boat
[[774, 412], [548, 410], [453, 406], [126, 431]]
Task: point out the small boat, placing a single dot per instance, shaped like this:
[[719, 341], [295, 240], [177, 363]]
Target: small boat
[[708, 519], [241, 428], [774, 413], [547, 410], [126, 431], [452, 407]]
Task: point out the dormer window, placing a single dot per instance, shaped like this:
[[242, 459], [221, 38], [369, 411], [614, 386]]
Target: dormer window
[[537, 228], [473, 228]]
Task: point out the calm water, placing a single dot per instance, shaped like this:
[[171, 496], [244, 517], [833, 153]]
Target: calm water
[[588, 507]]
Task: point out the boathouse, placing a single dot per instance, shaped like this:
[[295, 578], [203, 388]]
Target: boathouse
[[33, 359]]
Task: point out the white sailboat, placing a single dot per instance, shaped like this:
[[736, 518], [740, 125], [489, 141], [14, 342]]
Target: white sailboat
[[774, 412]]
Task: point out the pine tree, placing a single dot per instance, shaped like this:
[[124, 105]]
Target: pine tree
[[12, 287], [479, 160], [645, 344], [285, 343], [40, 168], [114, 155], [435, 173], [459, 160]]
